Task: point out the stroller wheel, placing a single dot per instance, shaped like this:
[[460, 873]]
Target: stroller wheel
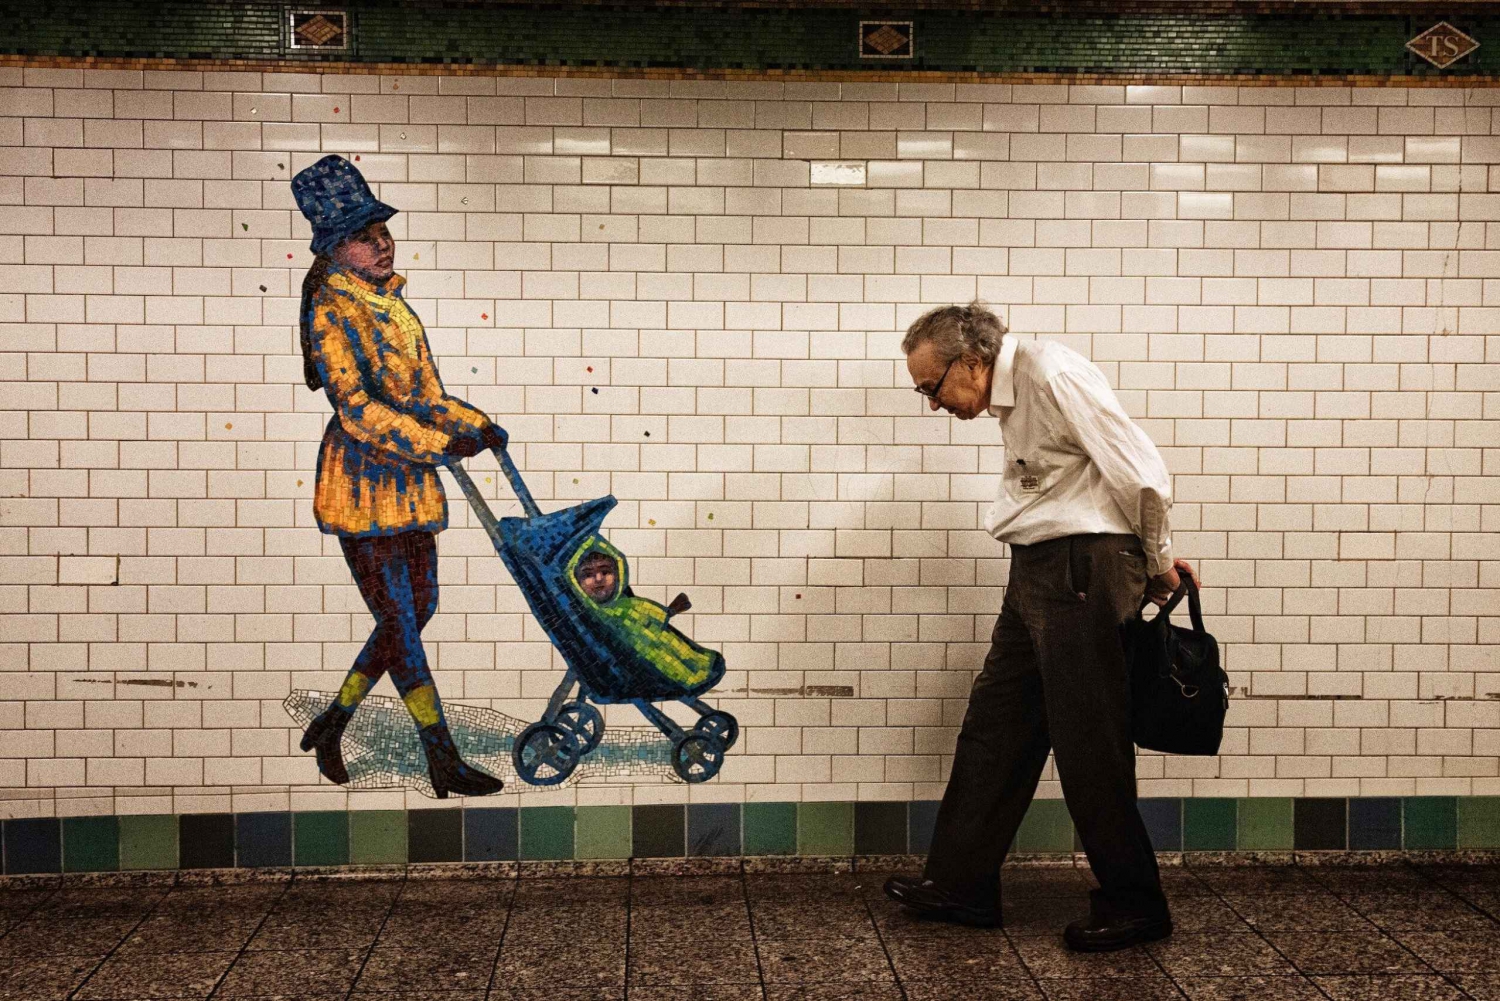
[[584, 722], [545, 754], [721, 726], [697, 757]]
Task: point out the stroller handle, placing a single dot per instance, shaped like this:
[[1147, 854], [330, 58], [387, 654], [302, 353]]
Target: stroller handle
[[481, 506]]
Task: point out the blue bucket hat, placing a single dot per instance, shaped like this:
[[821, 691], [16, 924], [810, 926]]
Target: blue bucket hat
[[336, 199]]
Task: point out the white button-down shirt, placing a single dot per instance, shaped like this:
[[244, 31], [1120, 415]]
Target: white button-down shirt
[[1075, 463]]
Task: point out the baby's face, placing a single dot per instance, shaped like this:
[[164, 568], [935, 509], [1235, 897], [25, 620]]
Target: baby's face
[[598, 581]]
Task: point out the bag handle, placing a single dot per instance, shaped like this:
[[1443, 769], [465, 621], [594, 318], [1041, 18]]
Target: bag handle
[[1187, 587]]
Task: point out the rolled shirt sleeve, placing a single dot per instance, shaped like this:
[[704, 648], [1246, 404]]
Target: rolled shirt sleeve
[[1128, 460]]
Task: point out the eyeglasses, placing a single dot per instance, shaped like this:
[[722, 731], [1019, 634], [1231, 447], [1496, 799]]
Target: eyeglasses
[[932, 393]]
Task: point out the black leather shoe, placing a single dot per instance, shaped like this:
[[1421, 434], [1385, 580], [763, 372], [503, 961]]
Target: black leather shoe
[[932, 901], [1101, 934]]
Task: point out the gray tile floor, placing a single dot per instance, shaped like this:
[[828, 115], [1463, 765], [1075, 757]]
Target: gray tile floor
[[1267, 934]]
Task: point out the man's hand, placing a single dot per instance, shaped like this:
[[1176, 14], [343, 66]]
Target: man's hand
[[463, 446], [1161, 587]]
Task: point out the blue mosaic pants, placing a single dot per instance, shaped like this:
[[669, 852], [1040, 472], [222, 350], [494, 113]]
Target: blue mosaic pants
[[397, 577]]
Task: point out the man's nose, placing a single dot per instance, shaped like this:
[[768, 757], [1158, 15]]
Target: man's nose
[[932, 403]]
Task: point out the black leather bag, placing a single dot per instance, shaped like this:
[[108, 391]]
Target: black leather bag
[[1178, 692]]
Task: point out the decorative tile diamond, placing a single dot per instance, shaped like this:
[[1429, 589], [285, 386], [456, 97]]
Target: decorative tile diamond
[[885, 39], [320, 29], [1442, 45]]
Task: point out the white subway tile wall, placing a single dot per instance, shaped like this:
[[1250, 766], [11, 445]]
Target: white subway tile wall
[[690, 294]]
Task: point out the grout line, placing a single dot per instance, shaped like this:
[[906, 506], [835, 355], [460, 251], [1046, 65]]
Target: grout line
[[1256, 931], [365, 961], [510, 911], [885, 951], [245, 945], [760, 970], [123, 939]]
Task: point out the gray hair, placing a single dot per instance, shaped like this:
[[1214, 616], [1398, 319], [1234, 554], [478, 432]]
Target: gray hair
[[955, 331]]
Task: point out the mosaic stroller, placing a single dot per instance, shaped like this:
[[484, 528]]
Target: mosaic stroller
[[619, 650]]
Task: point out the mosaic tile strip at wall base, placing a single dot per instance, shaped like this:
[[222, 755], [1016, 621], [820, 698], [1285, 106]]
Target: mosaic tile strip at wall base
[[485, 834]]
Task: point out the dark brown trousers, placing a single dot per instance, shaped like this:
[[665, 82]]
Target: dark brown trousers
[[1055, 679]]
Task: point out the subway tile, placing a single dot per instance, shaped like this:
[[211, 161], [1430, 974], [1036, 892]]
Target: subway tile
[[263, 839], [33, 845], [491, 834], [435, 835]]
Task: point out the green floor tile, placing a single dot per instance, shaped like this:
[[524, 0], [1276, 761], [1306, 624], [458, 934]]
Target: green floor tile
[[825, 829], [1265, 825], [602, 832], [320, 838], [770, 828], [91, 844], [1047, 827], [1479, 822], [1429, 822], [377, 837], [1208, 825], [148, 842], [546, 832]]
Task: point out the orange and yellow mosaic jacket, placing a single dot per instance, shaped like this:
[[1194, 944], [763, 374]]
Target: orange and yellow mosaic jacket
[[391, 418]]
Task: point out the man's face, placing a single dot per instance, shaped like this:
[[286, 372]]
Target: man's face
[[598, 579], [369, 253], [963, 389]]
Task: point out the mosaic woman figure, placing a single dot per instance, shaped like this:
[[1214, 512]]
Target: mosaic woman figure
[[377, 484]]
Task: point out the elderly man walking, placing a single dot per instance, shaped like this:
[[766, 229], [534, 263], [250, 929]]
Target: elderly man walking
[[1083, 506]]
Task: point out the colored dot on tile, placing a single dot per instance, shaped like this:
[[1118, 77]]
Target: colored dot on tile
[[254, 111], [281, 166], [799, 597], [245, 226], [289, 257], [335, 109], [228, 426], [356, 157], [488, 479], [648, 434], [484, 316], [299, 483], [650, 521], [474, 369], [403, 135], [262, 288], [575, 479], [710, 516], [591, 368], [601, 225], [595, 391], [416, 257], [464, 200], [396, 86]]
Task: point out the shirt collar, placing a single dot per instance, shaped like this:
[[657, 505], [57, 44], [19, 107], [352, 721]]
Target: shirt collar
[[1003, 379], [354, 283]]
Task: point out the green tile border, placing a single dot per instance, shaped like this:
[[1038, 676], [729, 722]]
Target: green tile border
[[838, 829]]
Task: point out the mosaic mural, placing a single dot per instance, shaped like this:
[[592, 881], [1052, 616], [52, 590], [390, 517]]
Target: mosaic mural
[[378, 491]]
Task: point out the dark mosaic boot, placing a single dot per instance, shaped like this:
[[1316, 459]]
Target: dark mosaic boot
[[448, 771], [325, 735]]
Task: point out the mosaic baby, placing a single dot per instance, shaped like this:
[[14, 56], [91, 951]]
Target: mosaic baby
[[377, 485], [599, 576]]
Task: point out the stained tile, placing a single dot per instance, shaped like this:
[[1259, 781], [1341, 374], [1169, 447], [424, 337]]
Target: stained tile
[[547, 832], [377, 837], [1047, 957], [1452, 951], [713, 829], [658, 831], [91, 844], [1208, 825], [206, 840], [822, 961], [825, 828], [320, 838], [1225, 954], [1286, 988], [1323, 952], [1375, 824], [43, 978], [770, 828], [263, 839], [295, 973], [1320, 824], [880, 828], [168, 975], [33, 845], [457, 964], [1304, 911], [434, 836], [1430, 822], [491, 834], [1404, 987], [995, 990], [1156, 988], [1163, 819]]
